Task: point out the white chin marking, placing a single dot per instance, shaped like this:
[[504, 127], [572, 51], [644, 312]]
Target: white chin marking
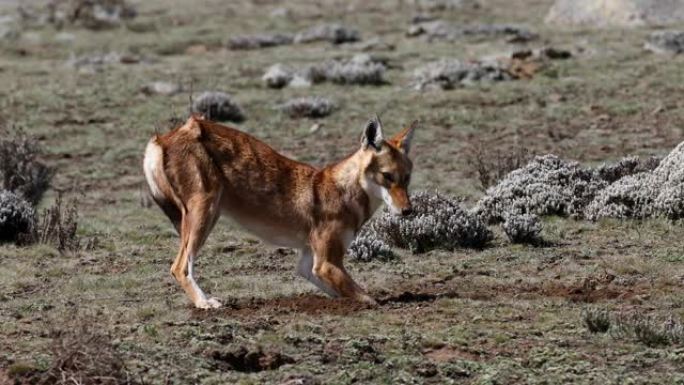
[[387, 198]]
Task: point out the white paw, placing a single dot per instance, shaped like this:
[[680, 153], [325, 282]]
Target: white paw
[[211, 303], [214, 303]]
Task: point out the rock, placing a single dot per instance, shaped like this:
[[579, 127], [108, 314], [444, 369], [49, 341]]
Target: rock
[[607, 13], [666, 42], [315, 128]]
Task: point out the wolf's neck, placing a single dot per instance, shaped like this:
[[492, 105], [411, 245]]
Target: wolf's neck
[[348, 177]]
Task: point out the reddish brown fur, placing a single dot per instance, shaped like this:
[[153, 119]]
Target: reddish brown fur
[[203, 168]]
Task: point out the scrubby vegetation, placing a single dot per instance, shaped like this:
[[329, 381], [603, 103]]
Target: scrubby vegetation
[[367, 247], [448, 74], [523, 228], [259, 41], [361, 69], [650, 191], [91, 14], [17, 217], [311, 107], [650, 331], [547, 185], [441, 30], [219, 106], [597, 320], [333, 33], [437, 222], [21, 169]]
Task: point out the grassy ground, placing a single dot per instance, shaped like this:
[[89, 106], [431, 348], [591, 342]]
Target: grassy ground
[[506, 314]]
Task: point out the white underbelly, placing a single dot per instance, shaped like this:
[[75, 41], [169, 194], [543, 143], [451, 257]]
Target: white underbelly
[[273, 234]]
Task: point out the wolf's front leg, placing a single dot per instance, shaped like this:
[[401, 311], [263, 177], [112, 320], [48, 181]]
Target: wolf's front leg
[[305, 269], [327, 244]]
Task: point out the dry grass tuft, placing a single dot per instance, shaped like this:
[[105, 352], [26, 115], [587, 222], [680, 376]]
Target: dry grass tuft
[[82, 353], [491, 166], [58, 225]]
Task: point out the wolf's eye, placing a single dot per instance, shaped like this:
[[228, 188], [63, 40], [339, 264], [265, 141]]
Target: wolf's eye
[[388, 177]]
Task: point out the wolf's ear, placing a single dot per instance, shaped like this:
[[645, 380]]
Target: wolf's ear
[[372, 134], [403, 139]]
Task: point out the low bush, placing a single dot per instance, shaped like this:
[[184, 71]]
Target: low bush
[[309, 107], [446, 74], [246, 42], [596, 320], [91, 14], [333, 33], [218, 106], [648, 330], [547, 185], [21, 170], [437, 222], [523, 228], [366, 247], [17, 218], [361, 69]]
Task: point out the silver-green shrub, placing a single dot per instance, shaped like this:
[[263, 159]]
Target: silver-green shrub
[[437, 222], [17, 217]]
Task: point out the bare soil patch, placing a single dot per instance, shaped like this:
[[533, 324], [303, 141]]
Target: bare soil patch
[[247, 360]]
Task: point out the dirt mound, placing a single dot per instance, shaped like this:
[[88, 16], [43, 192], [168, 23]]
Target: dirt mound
[[302, 303], [604, 13]]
